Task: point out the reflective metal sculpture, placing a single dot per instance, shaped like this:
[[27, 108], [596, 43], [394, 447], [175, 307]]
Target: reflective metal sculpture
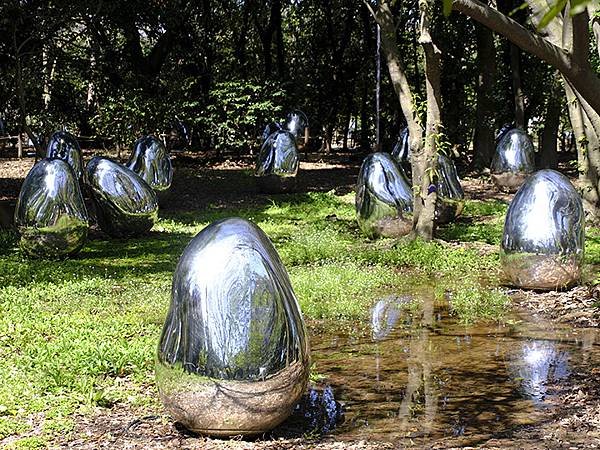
[[233, 357], [383, 197], [150, 160], [543, 240], [401, 151], [125, 204], [513, 160], [277, 163], [450, 194], [63, 145], [296, 122], [50, 213], [270, 129]]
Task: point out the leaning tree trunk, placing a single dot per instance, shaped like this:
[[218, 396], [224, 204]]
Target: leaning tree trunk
[[423, 160]]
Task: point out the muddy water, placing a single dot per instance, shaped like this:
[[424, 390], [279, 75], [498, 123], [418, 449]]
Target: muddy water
[[416, 375]]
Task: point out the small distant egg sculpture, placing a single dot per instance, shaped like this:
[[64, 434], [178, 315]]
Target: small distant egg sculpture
[[450, 200], [277, 163], [543, 240], [50, 213], [296, 122], [401, 151], [513, 161], [233, 357], [125, 204], [150, 160], [63, 145], [383, 198]]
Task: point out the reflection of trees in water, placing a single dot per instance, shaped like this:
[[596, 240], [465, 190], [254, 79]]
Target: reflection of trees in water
[[420, 394]]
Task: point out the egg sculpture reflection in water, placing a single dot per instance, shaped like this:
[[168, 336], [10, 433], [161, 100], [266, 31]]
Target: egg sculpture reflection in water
[[543, 240], [233, 357], [513, 161], [63, 145], [277, 163], [50, 213], [125, 204], [383, 197], [150, 160], [450, 194]]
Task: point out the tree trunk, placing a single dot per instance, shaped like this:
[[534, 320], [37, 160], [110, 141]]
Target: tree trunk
[[484, 137], [548, 149], [518, 96]]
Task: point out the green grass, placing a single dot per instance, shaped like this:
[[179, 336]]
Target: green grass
[[82, 332]]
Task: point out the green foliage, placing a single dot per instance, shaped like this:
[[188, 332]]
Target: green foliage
[[237, 112]]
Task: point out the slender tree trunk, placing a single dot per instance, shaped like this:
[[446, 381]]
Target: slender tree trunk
[[518, 95], [548, 149], [483, 139]]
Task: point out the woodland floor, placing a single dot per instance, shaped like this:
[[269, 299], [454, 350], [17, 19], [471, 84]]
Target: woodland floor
[[201, 185]]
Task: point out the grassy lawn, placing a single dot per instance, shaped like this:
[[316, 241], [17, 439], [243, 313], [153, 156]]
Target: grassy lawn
[[82, 332]]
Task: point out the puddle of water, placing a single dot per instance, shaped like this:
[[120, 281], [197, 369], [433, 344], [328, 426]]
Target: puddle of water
[[423, 376]]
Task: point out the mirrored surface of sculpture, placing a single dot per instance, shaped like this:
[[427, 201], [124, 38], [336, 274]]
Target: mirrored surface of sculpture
[[150, 160], [401, 151], [296, 122], [233, 357], [125, 204], [270, 129], [277, 163], [543, 240], [450, 200], [513, 161], [383, 197], [50, 213], [63, 145]]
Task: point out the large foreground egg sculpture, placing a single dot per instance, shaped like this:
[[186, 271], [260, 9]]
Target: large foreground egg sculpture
[[233, 357], [150, 160], [50, 213], [513, 161], [125, 204], [383, 197], [277, 163], [450, 195], [543, 240], [63, 145]]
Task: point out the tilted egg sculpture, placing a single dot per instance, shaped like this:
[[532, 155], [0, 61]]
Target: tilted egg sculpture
[[543, 240], [383, 197], [450, 194], [50, 213], [233, 357], [277, 163], [125, 204], [513, 161], [63, 145], [296, 122], [150, 160]]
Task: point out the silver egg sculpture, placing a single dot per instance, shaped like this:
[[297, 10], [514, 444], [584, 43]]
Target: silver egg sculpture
[[543, 240], [50, 213], [63, 145], [401, 151], [150, 160], [513, 161], [233, 357], [269, 129], [383, 197], [277, 163], [296, 122], [450, 194], [125, 204]]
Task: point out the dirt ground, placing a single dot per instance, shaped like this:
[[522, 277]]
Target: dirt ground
[[200, 183]]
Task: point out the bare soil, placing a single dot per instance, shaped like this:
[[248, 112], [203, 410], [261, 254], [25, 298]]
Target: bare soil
[[200, 183]]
